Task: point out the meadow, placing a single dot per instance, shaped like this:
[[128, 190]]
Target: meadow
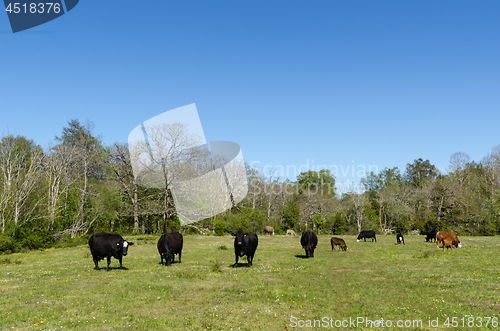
[[59, 288]]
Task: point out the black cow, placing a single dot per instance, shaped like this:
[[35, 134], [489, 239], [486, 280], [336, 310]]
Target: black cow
[[400, 239], [431, 234], [245, 243], [309, 241], [168, 245], [367, 234], [107, 245]]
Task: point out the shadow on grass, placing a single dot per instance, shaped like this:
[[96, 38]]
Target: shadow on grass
[[173, 262], [239, 265], [111, 268], [301, 256]]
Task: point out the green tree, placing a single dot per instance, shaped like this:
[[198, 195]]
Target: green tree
[[419, 171], [290, 214], [322, 181]]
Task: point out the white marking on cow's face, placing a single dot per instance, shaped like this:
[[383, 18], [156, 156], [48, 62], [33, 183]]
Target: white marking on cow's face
[[460, 245], [125, 244], [357, 240]]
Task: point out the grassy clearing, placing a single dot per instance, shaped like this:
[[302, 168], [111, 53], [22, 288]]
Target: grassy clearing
[[58, 288]]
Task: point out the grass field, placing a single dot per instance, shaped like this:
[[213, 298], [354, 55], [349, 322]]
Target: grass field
[[58, 288]]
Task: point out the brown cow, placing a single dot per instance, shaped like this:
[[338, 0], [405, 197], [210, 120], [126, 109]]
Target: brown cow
[[268, 229], [447, 242], [440, 235], [340, 242], [290, 232]]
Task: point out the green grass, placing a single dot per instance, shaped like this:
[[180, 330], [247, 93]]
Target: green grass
[[58, 288]]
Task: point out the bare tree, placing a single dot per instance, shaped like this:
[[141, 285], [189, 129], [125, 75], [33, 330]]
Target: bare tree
[[56, 164], [458, 166], [170, 155], [120, 163], [87, 159], [360, 201], [20, 167]]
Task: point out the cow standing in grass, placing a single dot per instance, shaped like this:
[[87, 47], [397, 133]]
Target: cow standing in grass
[[309, 241], [290, 232], [168, 245], [400, 239], [366, 234], [338, 241], [440, 235], [431, 235], [268, 229], [245, 243], [107, 245], [447, 242]]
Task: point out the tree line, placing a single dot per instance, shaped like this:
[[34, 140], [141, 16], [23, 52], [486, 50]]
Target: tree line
[[79, 186]]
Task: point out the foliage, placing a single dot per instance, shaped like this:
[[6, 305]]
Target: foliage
[[336, 224], [419, 171], [322, 181], [290, 214], [220, 228]]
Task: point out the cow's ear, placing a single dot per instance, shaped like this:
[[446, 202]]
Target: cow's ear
[[130, 243], [233, 234]]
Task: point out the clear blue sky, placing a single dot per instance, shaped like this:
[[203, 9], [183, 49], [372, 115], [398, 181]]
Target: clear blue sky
[[378, 82]]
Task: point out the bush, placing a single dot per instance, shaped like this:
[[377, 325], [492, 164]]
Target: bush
[[8, 245], [35, 238], [220, 228], [72, 242], [336, 224]]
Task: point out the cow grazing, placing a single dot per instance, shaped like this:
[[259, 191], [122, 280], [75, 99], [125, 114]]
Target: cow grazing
[[168, 245], [309, 241], [400, 239], [366, 234], [268, 229], [440, 235], [447, 242], [431, 235], [107, 245], [290, 232], [340, 242], [245, 243]]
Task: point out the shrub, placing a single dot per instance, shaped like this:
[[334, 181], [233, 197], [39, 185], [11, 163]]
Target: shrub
[[7, 245], [220, 228]]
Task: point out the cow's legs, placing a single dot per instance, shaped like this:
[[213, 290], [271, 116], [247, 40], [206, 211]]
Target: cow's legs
[[96, 262], [120, 259], [180, 253], [109, 262], [235, 263], [249, 259]]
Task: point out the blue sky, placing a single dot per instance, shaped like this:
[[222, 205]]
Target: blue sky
[[295, 83]]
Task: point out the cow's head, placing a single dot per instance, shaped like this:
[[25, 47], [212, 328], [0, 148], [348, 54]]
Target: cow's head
[[239, 241], [239, 237], [124, 246]]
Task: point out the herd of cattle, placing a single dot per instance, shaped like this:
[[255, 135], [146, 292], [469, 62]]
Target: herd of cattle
[[107, 245]]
